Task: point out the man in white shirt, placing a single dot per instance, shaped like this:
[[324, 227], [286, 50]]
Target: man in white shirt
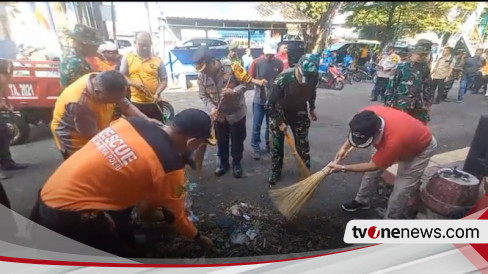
[[385, 69], [440, 74]]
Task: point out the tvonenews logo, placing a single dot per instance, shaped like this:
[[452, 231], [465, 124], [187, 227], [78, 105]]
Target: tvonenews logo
[[416, 231]]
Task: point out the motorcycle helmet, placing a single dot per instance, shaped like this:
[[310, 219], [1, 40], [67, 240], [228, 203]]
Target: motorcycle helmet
[[308, 67]]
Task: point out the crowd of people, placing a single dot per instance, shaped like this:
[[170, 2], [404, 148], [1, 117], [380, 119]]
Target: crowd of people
[[137, 161]]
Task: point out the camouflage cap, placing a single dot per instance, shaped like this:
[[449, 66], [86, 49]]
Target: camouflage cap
[[86, 35], [308, 65], [422, 46]]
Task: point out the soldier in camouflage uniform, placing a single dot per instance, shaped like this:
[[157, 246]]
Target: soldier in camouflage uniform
[[85, 44], [287, 105], [410, 90]]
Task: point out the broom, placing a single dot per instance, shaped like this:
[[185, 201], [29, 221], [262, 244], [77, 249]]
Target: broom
[[304, 171], [289, 200]]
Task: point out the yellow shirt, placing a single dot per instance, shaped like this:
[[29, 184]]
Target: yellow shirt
[[149, 72], [74, 102]]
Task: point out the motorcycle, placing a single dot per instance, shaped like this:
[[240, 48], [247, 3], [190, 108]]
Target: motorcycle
[[327, 81], [367, 72], [346, 73]]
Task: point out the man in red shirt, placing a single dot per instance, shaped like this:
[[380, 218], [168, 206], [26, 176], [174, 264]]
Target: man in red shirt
[[397, 137], [283, 56]]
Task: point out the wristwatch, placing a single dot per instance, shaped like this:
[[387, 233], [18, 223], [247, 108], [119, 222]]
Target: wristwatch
[[343, 169]]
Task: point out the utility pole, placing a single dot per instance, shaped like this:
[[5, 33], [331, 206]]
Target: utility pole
[[148, 17], [114, 29]]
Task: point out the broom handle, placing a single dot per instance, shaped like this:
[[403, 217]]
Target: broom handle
[[327, 168], [155, 101], [299, 159]]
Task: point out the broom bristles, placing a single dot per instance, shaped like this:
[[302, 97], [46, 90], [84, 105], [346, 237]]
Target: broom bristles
[[289, 200], [302, 167]]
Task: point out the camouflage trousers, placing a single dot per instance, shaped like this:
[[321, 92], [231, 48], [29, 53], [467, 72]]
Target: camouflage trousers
[[299, 127]]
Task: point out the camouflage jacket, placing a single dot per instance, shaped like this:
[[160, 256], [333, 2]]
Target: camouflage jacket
[[232, 108], [410, 90], [73, 67], [287, 100]]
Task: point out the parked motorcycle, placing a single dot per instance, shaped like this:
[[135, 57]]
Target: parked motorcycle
[[367, 72], [327, 81], [346, 73]]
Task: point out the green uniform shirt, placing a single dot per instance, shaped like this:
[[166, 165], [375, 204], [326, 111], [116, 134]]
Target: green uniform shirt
[[410, 90], [73, 67]]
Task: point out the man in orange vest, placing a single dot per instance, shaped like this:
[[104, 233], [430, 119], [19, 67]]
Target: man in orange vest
[[147, 76], [86, 107], [133, 162]]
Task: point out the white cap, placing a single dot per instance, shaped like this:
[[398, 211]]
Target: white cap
[[269, 49], [107, 46]]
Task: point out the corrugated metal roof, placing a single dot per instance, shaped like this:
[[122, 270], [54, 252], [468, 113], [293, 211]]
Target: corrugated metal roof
[[234, 11]]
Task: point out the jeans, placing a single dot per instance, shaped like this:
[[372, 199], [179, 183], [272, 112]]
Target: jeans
[[466, 81], [236, 134], [380, 87], [259, 113]]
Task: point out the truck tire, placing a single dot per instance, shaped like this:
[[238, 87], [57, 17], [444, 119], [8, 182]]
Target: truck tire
[[19, 128]]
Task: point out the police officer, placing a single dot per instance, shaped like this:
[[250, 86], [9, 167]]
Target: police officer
[[221, 85], [410, 90], [6, 162], [287, 106], [85, 44]]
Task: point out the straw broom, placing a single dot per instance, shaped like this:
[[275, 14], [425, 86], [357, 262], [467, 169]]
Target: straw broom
[[289, 200], [304, 171]]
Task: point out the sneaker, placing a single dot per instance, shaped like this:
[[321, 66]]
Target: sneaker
[[459, 101], [354, 206], [486, 95], [256, 155]]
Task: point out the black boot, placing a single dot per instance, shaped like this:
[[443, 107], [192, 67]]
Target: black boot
[[222, 169], [237, 170], [274, 178]]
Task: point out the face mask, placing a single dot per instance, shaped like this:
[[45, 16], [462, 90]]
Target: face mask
[[304, 78]]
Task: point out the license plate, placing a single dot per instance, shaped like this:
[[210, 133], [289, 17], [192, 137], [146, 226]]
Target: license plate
[[22, 90]]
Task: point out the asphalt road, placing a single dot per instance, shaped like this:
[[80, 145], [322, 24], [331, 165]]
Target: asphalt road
[[453, 124]]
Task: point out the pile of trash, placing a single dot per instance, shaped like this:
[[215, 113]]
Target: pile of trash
[[241, 228]]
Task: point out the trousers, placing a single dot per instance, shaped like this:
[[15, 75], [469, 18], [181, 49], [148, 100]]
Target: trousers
[[299, 127], [103, 230], [406, 186], [259, 114], [151, 111], [233, 136], [439, 86], [380, 87], [5, 138]]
